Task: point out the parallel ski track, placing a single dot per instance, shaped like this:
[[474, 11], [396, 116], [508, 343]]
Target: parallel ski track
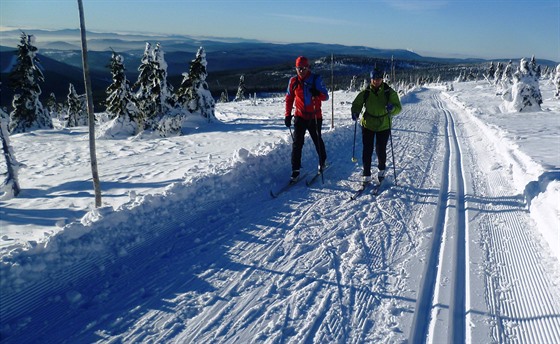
[[301, 271], [514, 265], [451, 199]]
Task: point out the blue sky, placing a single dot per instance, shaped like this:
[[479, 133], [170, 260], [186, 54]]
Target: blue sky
[[465, 28]]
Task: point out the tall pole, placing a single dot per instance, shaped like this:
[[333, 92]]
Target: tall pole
[[392, 71], [91, 115], [332, 91]]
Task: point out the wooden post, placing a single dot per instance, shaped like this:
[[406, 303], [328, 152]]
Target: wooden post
[[91, 114]]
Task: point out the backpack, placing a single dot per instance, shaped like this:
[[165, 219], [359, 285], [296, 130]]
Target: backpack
[[313, 87], [386, 91]]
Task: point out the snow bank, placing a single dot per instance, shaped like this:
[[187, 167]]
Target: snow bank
[[544, 206], [89, 246]]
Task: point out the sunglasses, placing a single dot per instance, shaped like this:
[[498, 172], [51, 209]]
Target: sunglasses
[[301, 69]]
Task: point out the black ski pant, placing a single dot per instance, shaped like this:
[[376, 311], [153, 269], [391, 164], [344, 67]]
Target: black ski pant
[[314, 127], [381, 138]]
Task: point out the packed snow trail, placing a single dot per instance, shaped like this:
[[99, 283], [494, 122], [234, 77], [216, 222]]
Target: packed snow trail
[[311, 267]]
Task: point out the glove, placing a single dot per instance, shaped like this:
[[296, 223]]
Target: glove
[[390, 107], [355, 116], [288, 121], [315, 92]]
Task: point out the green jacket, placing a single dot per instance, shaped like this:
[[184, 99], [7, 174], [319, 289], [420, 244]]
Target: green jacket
[[376, 118]]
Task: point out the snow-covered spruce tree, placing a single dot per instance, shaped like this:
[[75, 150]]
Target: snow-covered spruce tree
[[491, 71], [77, 109], [507, 76], [154, 93], [162, 91], [535, 67], [525, 93], [353, 84], [194, 94], [10, 187], [556, 81], [462, 76], [498, 73], [471, 75], [169, 121], [28, 112], [144, 91], [224, 98], [125, 117], [53, 108], [505, 82], [241, 89]]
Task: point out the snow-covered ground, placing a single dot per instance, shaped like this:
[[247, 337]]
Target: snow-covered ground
[[463, 246]]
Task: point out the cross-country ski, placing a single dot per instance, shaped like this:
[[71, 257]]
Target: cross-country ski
[[288, 186], [317, 176]]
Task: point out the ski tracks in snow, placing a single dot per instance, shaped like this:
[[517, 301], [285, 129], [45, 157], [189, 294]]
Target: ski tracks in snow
[[512, 289], [445, 254], [483, 279], [442, 292]]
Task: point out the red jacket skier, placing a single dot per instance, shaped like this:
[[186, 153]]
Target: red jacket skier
[[307, 91]]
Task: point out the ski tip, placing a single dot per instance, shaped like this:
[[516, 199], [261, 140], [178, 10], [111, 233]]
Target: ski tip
[[272, 194]]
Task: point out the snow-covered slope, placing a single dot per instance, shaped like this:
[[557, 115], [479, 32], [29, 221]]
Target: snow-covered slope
[[462, 245]]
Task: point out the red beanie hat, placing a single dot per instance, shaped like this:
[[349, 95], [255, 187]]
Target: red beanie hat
[[302, 62]]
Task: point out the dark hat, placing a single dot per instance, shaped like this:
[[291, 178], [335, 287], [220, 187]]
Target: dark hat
[[376, 74], [302, 62]]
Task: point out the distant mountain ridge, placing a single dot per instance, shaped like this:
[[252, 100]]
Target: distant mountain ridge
[[222, 53], [266, 65]]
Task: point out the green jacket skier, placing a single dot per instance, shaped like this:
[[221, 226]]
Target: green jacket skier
[[381, 102], [376, 117]]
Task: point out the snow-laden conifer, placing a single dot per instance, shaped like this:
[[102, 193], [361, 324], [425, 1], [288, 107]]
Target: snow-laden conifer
[[53, 108], [353, 84], [498, 73], [224, 98], [77, 109], [153, 96], [491, 72], [525, 92], [241, 89], [162, 91], [556, 81], [10, 186], [504, 80], [535, 68], [28, 112], [144, 86], [194, 93], [507, 76], [462, 76], [121, 106]]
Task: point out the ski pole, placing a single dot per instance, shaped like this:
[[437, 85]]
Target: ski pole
[[392, 151], [291, 134], [354, 144], [319, 139]]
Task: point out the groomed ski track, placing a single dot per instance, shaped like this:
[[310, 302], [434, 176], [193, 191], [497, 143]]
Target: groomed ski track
[[446, 254]]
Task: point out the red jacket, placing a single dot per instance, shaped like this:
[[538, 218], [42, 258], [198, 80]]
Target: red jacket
[[300, 90]]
